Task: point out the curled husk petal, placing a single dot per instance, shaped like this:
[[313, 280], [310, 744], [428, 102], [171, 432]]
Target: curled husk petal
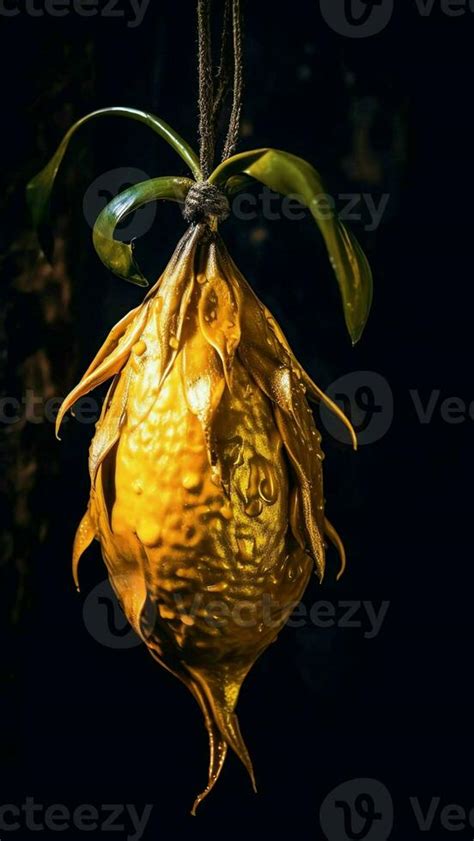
[[206, 479]]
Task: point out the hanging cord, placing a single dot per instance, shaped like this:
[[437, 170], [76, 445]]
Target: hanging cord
[[206, 88], [224, 72], [234, 122], [205, 200]]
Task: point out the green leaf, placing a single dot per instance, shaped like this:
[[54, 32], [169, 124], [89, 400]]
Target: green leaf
[[236, 165], [236, 183], [39, 189], [116, 255], [291, 175]]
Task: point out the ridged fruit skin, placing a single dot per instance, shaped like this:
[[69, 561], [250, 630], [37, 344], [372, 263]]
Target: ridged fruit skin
[[206, 479]]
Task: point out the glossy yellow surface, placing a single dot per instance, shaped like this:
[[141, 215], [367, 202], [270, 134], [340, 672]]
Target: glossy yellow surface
[[206, 479]]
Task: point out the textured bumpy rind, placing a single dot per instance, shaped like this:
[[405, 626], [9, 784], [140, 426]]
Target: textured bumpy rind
[[206, 479]]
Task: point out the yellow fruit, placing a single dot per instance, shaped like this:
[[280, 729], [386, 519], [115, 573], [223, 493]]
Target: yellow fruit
[[206, 479]]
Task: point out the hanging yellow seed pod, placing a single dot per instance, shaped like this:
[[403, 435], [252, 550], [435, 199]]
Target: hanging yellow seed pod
[[206, 465], [206, 479]]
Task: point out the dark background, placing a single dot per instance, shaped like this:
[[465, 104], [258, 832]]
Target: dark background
[[84, 723]]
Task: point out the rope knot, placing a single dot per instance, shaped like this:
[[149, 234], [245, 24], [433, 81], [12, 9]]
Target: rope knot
[[203, 201]]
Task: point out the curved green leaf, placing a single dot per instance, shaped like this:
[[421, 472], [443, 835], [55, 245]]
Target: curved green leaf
[[39, 189], [116, 255], [236, 165], [236, 183], [291, 175]]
